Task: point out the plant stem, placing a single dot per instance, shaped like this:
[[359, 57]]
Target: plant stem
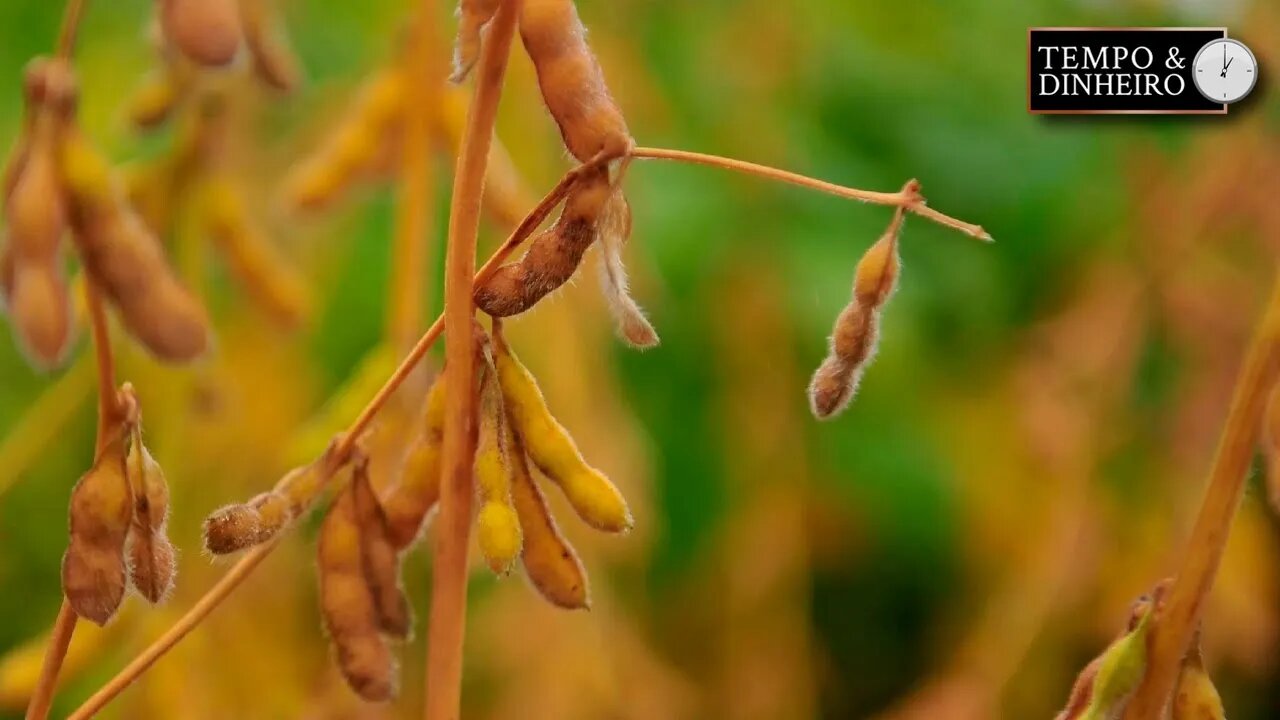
[[65, 625], [71, 16], [1178, 619], [910, 201], [453, 535], [404, 315]]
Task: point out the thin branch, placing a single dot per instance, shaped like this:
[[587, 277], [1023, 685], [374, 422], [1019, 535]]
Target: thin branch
[[1177, 621], [71, 17], [910, 201], [453, 527]]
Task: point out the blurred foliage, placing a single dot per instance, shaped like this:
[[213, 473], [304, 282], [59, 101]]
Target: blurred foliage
[[1023, 458]]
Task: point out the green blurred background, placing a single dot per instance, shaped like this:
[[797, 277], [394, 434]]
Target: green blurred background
[[1022, 460]]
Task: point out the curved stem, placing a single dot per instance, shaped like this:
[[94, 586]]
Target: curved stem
[[453, 534], [911, 201], [1178, 620]]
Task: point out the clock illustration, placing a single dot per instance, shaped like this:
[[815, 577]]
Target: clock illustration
[[1225, 70]]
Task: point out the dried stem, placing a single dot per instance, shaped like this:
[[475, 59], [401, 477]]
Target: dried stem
[[453, 534], [108, 407], [71, 16], [415, 188], [910, 201], [1176, 624]]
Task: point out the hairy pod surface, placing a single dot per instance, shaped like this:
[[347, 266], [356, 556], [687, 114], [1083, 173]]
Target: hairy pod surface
[[207, 31], [550, 562], [348, 606], [94, 567], [596, 500], [1196, 697], [496, 524], [553, 255], [572, 83], [615, 229], [152, 562], [379, 556]]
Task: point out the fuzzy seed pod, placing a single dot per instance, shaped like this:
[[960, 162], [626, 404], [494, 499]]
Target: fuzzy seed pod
[[126, 259], [236, 527], [596, 500], [273, 59], [572, 83], [629, 320], [355, 146], [265, 274], [348, 606], [34, 285], [94, 567], [549, 560], [496, 524], [151, 555], [206, 31], [853, 341], [411, 500], [1196, 697], [380, 558], [553, 255], [473, 16]]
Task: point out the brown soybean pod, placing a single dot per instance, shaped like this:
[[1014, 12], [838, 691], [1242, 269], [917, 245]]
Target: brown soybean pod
[[380, 557], [473, 16], [94, 568], [151, 555], [572, 82], [553, 255], [347, 605], [549, 560], [207, 31]]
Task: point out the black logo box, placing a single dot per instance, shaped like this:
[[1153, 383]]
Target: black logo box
[[1160, 41]]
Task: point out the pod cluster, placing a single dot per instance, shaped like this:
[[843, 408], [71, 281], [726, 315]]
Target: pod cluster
[[211, 33], [118, 515], [1103, 689], [595, 133], [57, 180]]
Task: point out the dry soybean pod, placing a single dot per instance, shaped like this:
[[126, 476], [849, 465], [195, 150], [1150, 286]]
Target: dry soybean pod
[[596, 500], [348, 607], [380, 558], [572, 82], [242, 525], [152, 560], [94, 570], [553, 255], [409, 502], [207, 31], [126, 259], [857, 327], [354, 147], [549, 560], [261, 269], [497, 526]]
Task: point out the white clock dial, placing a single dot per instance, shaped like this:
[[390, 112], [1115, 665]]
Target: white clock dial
[[1225, 71]]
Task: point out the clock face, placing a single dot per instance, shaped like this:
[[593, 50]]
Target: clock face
[[1225, 71]]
